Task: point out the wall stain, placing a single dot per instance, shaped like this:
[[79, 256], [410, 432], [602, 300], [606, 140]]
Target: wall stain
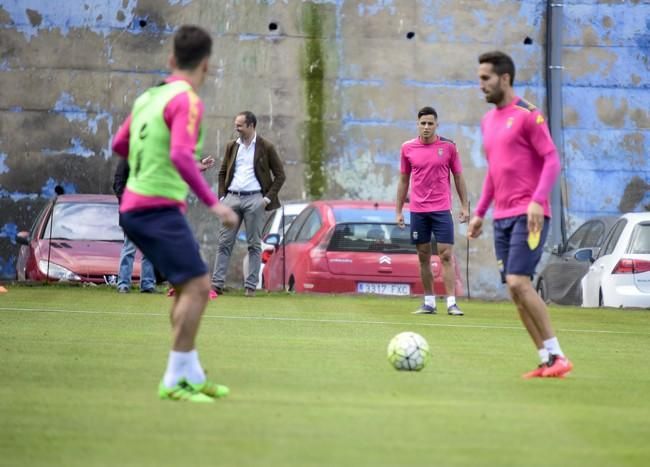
[[611, 114], [313, 73], [35, 18], [633, 194]]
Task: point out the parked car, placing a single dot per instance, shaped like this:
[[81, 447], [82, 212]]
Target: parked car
[[619, 275], [74, 238], [349, 247], [559, 280], [277, 223]]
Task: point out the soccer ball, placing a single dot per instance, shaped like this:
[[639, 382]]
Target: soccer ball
[[408, 351]]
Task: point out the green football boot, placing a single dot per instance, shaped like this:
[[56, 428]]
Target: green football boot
[[210, 389], [182, 392]]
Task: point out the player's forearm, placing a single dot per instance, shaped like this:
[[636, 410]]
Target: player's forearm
[[461, 189], [402, 188], [183, 159], [487, 195], [550, 172]]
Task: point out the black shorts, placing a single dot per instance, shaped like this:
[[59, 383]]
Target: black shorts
[[438, 223], [514, 256], [164, 236]]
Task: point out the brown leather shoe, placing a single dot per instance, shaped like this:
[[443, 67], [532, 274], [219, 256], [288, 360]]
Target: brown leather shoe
[[249, 292]]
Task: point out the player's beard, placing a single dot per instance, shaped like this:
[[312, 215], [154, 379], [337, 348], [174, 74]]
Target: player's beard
[[496, 96]]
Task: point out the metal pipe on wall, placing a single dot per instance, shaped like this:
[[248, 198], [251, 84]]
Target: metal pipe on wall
[[554, 18]]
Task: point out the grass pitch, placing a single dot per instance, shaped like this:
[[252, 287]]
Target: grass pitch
[[311, 385]]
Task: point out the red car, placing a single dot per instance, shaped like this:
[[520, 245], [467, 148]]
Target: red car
[[74, 238], [349, 247]]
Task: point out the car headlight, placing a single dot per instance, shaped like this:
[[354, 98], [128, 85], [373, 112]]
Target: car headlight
[[57, 272]]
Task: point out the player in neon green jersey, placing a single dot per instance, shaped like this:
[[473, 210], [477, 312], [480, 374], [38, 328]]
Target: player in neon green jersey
[[162, 140]]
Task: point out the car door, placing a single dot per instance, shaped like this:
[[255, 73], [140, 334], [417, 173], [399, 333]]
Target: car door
[[562, 274], [298, 258], [590, 284], [276, 270]]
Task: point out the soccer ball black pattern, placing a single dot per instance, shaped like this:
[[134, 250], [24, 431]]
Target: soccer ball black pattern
[[408, 351]]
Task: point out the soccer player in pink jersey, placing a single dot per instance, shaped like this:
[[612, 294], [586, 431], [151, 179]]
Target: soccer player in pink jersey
[[162, 139], [523, 165], [426, 163]]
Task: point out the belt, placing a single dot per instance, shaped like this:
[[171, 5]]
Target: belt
[[244, 193]]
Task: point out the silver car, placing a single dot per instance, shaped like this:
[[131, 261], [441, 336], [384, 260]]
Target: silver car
[[559, 280], [280, 219]]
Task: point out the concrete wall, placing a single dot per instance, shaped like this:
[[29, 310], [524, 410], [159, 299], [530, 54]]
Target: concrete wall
[[336, 85]]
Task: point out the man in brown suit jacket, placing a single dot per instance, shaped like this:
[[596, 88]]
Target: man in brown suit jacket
[[250, 178]]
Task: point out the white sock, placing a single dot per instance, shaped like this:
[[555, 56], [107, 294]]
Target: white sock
[[193, 371], [451, 300], [430, 300], [543, 355], [553, 346], [175, 367]]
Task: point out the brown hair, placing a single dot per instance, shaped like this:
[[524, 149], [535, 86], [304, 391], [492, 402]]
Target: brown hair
[[501, 62], [191, 45]]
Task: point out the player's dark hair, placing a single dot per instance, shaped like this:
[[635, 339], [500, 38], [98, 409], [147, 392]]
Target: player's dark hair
[[427, 111], [191, 45], [501, 63], [250, 118]]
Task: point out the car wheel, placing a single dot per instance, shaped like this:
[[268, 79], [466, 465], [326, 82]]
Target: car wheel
[[291, 286], [542, 292]]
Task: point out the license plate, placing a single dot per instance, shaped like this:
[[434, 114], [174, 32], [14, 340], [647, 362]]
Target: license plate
[[383, 289]]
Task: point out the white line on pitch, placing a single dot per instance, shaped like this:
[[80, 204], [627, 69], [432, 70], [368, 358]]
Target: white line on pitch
[[313, 320]]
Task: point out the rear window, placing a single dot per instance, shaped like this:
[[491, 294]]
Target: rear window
[[375, 237], [383, 215], [640, 241]]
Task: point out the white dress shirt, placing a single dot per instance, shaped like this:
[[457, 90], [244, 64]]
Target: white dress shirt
[[244, 177]]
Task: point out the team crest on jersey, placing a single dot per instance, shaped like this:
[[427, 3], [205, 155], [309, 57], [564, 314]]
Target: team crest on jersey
[[540, 119], [509, 122], [440, 152]]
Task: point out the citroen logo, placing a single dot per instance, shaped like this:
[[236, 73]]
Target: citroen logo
[[384, 260]]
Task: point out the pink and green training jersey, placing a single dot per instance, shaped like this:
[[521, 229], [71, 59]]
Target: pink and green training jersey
[[430, 166], [523, 163]]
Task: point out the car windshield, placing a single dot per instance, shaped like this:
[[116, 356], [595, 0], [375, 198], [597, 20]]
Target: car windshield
[[640, 243], [381, 237], [85, 221]]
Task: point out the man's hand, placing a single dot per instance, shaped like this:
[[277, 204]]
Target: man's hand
[[206, 163], [463, 216], [535, 217], [229, 218], [475, 227], [400, 220]]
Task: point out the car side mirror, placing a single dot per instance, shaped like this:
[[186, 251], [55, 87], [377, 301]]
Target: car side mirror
[[556, 250], [584, 254], [22, 238], [272, 239]]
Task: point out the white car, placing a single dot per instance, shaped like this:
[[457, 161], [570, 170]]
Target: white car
[[620, 273], [279, 220]]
